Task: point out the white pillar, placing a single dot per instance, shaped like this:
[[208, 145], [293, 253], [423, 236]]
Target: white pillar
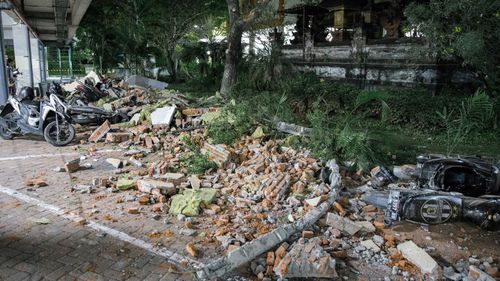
[[22, 52], [35, 60], [4, 86]]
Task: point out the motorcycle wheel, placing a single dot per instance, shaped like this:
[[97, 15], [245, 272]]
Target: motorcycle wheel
[[5, 134], [64, 136]]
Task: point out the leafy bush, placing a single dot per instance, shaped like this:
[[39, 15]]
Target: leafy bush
[[476, 112], [197, 163]]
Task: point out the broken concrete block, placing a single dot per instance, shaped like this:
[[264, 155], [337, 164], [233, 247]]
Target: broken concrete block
[[175, 178], [118, 137], [476, 274], [314, 201], [342, 224], [100, 132], [102, 182], [147, 186], [81, 188], [195, 182], [72, 166], [189, 202], [307, 260], [135, 120], [366, 226], [258, 133], [369, 244], [163, 115], [117, 163], [124, 184], [420, 258], [141, 81], [293, 129]]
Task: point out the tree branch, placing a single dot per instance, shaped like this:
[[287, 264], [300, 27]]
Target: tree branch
[[255, 13]]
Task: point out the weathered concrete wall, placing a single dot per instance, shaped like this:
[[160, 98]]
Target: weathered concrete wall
[[378, 64]]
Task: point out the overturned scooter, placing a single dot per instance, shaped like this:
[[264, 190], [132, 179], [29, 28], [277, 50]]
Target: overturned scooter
[[434, 207], [85, 114], [22, 115]]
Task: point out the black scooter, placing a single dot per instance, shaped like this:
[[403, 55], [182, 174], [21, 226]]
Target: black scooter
[[85, 114]]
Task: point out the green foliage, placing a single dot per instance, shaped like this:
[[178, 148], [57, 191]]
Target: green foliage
[[356, 147], [197, 163], [475, 113], [463, 29]]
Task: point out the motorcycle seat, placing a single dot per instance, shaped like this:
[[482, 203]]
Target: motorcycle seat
[[88, 109], [31, 103]]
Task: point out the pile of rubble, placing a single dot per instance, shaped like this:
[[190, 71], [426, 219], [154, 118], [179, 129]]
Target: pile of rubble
[[274, 208]]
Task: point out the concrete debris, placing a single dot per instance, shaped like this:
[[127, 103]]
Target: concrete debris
[[189, 202], [81, 188], [421, 259], [100, 132], [72, 166], [125, 184], [270, 207], [264, 243], [306, 259], [369, 244], [293, 129], [118, 137], [217, 153], [163, 115], [476, 274], [149, 186], [141, 81], [116, 163], [342, 224]]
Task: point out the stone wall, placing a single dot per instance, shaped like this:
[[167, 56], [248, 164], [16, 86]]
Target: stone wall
[[378, 64]]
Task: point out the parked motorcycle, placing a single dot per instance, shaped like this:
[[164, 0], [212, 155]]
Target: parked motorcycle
[[85, 114], [22, 115]]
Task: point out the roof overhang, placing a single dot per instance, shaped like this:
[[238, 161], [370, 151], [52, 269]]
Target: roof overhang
[[54, 22]]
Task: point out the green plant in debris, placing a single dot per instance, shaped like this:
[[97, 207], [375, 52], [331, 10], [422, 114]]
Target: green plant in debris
[[476, 112], [355, 146], [197, 163]]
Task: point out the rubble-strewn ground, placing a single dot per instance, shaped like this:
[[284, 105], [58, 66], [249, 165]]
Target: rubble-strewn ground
[[239, 211], [457, 244]]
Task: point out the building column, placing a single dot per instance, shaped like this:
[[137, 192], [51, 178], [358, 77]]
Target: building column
[[35, 61], [22, 52], [4, 80]]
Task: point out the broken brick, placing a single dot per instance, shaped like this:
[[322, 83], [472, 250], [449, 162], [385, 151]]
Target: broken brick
[[100, 132]]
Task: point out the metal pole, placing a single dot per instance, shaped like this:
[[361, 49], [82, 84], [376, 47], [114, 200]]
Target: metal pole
[[70, 60], [4, 80], [60, 61]]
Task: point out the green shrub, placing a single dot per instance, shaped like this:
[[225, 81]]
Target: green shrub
[[197, 163]]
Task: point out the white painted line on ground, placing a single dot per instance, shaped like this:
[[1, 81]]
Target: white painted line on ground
[[163, 252], [24, 157]]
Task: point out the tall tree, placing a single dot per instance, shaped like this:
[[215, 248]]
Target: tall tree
[[238, 23], [462, 30]]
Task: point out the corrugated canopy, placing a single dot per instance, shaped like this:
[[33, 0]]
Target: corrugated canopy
[[54, 22]]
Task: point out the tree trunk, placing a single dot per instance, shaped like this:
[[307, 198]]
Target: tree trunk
[[234, 46], [172, 62]]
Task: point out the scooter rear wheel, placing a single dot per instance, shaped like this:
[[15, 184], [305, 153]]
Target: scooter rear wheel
[[65, 135], [5, 134]]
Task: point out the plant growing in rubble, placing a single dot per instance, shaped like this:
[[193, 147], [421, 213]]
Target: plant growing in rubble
[[197, 163], [475, 112]]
